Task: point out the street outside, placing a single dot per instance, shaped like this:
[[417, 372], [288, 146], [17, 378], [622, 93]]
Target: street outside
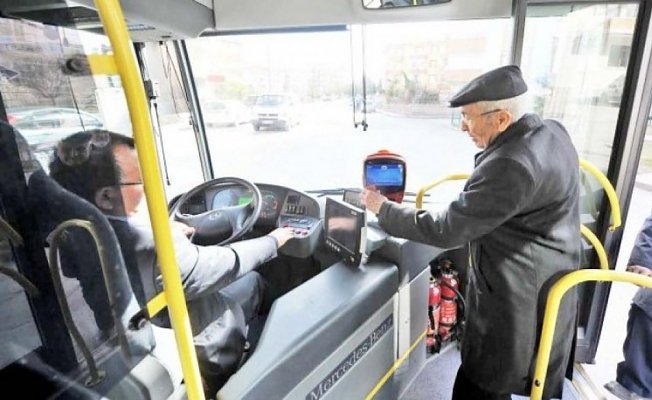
[[324, 151]]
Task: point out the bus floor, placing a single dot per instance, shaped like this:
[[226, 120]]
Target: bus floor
[[435, 381]]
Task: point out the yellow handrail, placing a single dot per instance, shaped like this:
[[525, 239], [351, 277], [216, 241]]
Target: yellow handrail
[[597, 245], [552, 309], [608, 189], [116, 29], [422, 191]]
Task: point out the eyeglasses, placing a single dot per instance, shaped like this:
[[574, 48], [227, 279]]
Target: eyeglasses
[[467, 118]]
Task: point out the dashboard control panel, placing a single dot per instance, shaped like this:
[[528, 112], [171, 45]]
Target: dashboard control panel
[[301, 226]]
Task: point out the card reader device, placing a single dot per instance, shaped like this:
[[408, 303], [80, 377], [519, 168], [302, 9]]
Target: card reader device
[[345, 227], [386, 172]]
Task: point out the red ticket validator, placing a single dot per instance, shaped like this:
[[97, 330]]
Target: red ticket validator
[[385, 172]]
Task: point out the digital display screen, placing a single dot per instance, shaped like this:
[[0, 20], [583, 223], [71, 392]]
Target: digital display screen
[[244, 199], [341, 228], [344, 225], [384, 174]]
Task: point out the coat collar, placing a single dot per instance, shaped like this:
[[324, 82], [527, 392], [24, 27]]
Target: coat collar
[[526, 123]]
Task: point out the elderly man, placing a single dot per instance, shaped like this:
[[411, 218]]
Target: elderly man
[[519, 210]]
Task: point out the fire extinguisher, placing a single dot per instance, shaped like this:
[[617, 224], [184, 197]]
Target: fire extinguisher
[[449, 290], [445, 307], [434, 306]]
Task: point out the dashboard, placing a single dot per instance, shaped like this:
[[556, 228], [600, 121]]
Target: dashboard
[[281, 207], [278, 202]]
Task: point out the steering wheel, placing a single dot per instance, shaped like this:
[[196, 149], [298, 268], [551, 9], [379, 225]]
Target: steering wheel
[[221, 225]]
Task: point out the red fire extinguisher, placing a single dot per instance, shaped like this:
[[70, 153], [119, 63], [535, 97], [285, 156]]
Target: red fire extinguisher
[[443, 297], [449, 289], [434, 301]]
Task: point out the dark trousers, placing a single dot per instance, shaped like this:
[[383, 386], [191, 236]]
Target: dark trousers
[[220, 323], [635, 373], [464, 389]]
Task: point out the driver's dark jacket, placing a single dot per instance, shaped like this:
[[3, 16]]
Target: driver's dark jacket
[[519, 210], [217, 321]]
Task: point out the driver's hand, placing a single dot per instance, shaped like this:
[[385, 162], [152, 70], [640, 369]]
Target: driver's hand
[[282, 235], [187, 230]]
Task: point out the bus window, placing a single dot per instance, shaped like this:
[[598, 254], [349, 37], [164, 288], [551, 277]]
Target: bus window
[[575, 59], [43, 102]]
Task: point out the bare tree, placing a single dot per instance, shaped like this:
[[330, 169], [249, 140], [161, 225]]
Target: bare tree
[[43, 76]]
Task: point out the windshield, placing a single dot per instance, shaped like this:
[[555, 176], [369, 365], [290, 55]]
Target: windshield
[[317, 140], [271, 100]]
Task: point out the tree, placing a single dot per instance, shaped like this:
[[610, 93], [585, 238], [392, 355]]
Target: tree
[[43, 76]]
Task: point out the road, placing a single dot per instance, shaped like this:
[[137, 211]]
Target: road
[[323, 151]]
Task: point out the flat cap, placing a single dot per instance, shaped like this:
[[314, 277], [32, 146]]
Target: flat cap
[[498, 84]]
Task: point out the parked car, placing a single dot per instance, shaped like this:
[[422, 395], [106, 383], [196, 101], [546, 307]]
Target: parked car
[[275, 111], [220, 113], [43, 127]]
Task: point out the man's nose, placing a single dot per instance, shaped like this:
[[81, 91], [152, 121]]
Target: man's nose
[[463, 126]]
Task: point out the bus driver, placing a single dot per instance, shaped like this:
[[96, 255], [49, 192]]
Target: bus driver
[[223, 292], [519, 210]]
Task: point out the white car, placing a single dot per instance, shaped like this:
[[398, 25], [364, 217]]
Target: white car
[[275, 111], [221, 113]]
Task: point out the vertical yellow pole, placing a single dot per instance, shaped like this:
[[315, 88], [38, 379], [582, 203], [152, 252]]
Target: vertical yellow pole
[[116, 29]]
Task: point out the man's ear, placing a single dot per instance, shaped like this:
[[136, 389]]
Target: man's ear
[[108, 198], [504, 120]]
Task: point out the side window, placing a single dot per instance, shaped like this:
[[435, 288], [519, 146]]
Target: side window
[[18, 333], [586, 100]]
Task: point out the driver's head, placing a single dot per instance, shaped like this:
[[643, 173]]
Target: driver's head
[[101, 167]]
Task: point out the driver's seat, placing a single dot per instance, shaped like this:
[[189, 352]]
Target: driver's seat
[[40, 205]]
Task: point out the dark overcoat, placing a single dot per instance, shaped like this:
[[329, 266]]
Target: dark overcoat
[[520, 212], [642, 255]]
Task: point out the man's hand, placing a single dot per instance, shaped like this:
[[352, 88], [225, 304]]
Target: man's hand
[[637, 269], [282, 235], [372, 200]]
